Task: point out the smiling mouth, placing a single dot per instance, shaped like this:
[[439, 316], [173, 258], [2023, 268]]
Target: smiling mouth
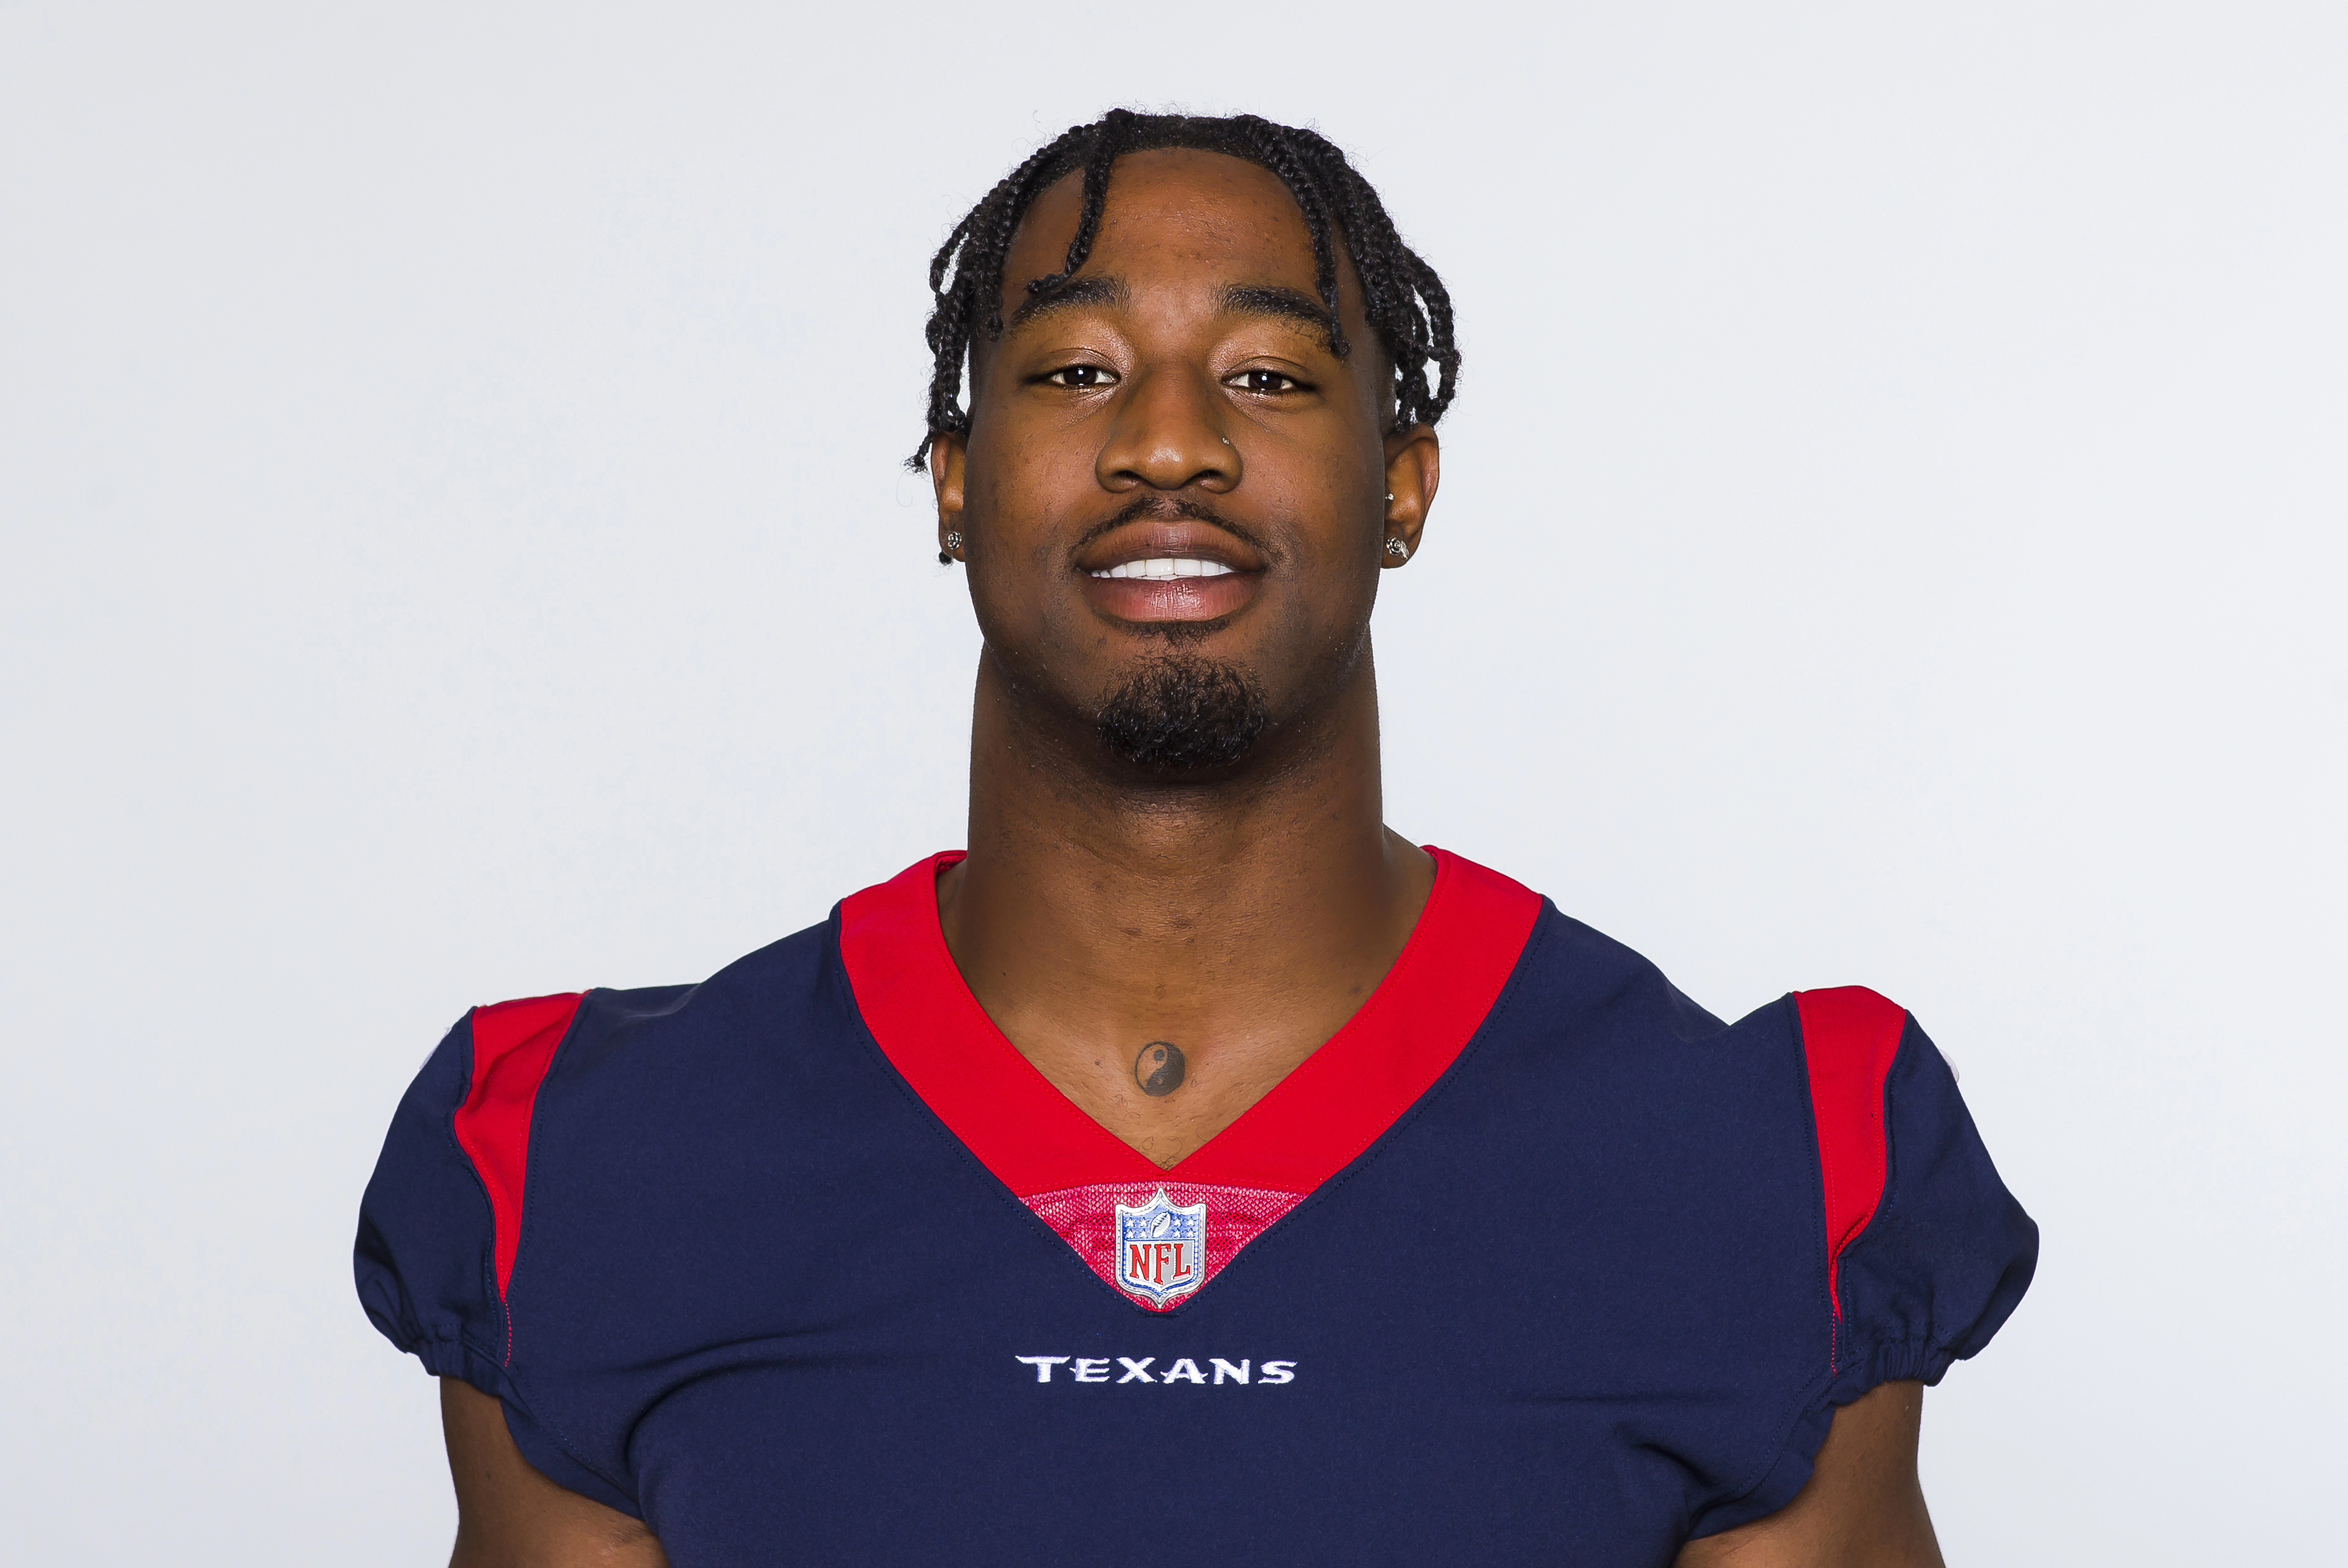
[[1165, 568], [1164, 563]]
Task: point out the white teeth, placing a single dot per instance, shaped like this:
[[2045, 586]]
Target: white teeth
[[1165, 568]]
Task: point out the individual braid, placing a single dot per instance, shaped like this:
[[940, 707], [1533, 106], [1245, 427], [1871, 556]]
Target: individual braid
[[1276, 150], [1108, 140], [974, 252], [1419, 335]]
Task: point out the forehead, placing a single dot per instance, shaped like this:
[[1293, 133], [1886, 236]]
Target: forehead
[[1170, 212]]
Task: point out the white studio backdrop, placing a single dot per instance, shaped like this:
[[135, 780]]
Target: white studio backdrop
[[455, 548]]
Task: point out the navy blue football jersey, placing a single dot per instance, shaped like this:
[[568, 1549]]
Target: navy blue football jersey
[[1534, 1262]]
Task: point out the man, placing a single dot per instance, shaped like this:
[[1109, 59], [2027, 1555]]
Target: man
[[1196, 1170]]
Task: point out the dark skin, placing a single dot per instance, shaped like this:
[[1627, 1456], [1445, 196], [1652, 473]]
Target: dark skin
[[1181, 403], [510, 1516], [1243, 917]]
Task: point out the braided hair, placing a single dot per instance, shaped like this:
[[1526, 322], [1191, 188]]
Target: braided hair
[[1407, 303]]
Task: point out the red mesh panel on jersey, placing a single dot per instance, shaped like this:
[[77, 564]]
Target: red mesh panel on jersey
[[513, 1047], [1085, 1218], [1850, 1037]]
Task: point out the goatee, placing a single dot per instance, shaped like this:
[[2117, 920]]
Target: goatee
[[1183, 713]]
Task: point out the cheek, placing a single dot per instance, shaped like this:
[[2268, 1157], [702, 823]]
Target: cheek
[[1342, 510], [1334, 500], [1027, 493], [1027, 504]]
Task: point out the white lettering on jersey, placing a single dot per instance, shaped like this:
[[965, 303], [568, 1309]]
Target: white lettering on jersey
[[1095, 1370]]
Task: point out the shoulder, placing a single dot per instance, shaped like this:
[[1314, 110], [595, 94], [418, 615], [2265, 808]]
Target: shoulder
[[1566, 979], [612, 1037], [1605, 983], [636, 1063], [1832, 1099], [1838, 1043], [1827, 1114], [1809, 1175], [441, 1221]]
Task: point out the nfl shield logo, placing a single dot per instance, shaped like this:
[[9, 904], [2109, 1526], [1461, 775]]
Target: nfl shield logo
[[1161, 1248]]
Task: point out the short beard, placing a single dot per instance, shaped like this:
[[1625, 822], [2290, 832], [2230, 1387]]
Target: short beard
[[1183, 713]]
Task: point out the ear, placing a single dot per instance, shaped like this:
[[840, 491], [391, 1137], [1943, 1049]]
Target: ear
[[1414, 469], [947, 455]]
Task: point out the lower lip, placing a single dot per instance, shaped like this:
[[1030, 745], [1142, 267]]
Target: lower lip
[[1176, 598]]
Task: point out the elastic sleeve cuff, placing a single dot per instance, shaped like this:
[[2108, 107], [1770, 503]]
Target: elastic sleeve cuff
[[461, 1359]]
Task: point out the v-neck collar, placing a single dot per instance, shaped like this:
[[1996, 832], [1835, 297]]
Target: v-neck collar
[[1312, 1124]]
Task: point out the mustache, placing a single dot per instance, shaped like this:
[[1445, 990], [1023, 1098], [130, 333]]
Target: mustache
[[1166, 509]]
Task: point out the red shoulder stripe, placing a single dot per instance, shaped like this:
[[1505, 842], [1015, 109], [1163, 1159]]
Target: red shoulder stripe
[[513, 1047], [1850, 1037]]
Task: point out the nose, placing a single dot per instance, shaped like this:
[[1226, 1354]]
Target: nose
[[1170, 436]]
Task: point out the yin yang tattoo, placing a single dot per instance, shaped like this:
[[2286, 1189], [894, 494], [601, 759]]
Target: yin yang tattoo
[[1160, 1069]]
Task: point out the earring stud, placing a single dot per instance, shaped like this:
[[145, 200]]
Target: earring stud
[[954, 542], [1396, 549]]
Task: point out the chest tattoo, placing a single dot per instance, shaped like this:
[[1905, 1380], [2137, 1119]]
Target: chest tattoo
[[1160, 1069]]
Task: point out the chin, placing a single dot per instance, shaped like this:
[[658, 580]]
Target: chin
[[1183, 712]]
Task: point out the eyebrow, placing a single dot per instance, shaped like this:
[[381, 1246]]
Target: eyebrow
[[1099, 288], [1236, 299], [1271, 299]]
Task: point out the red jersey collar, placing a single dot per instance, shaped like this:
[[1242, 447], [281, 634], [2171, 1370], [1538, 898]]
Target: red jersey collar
[[1313, 1123]]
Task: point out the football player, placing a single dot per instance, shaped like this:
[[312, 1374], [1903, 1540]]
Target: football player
[[1194, 1169]]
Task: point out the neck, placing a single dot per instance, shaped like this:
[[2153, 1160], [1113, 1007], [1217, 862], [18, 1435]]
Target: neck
[[1242, 920]]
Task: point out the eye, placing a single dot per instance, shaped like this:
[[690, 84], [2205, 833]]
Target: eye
[[1266, 381], [1080, 378]]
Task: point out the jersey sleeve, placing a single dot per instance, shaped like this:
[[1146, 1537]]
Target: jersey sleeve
[[1924, 1252], [440, 1227], [426, 1256], [1948, 1252]]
